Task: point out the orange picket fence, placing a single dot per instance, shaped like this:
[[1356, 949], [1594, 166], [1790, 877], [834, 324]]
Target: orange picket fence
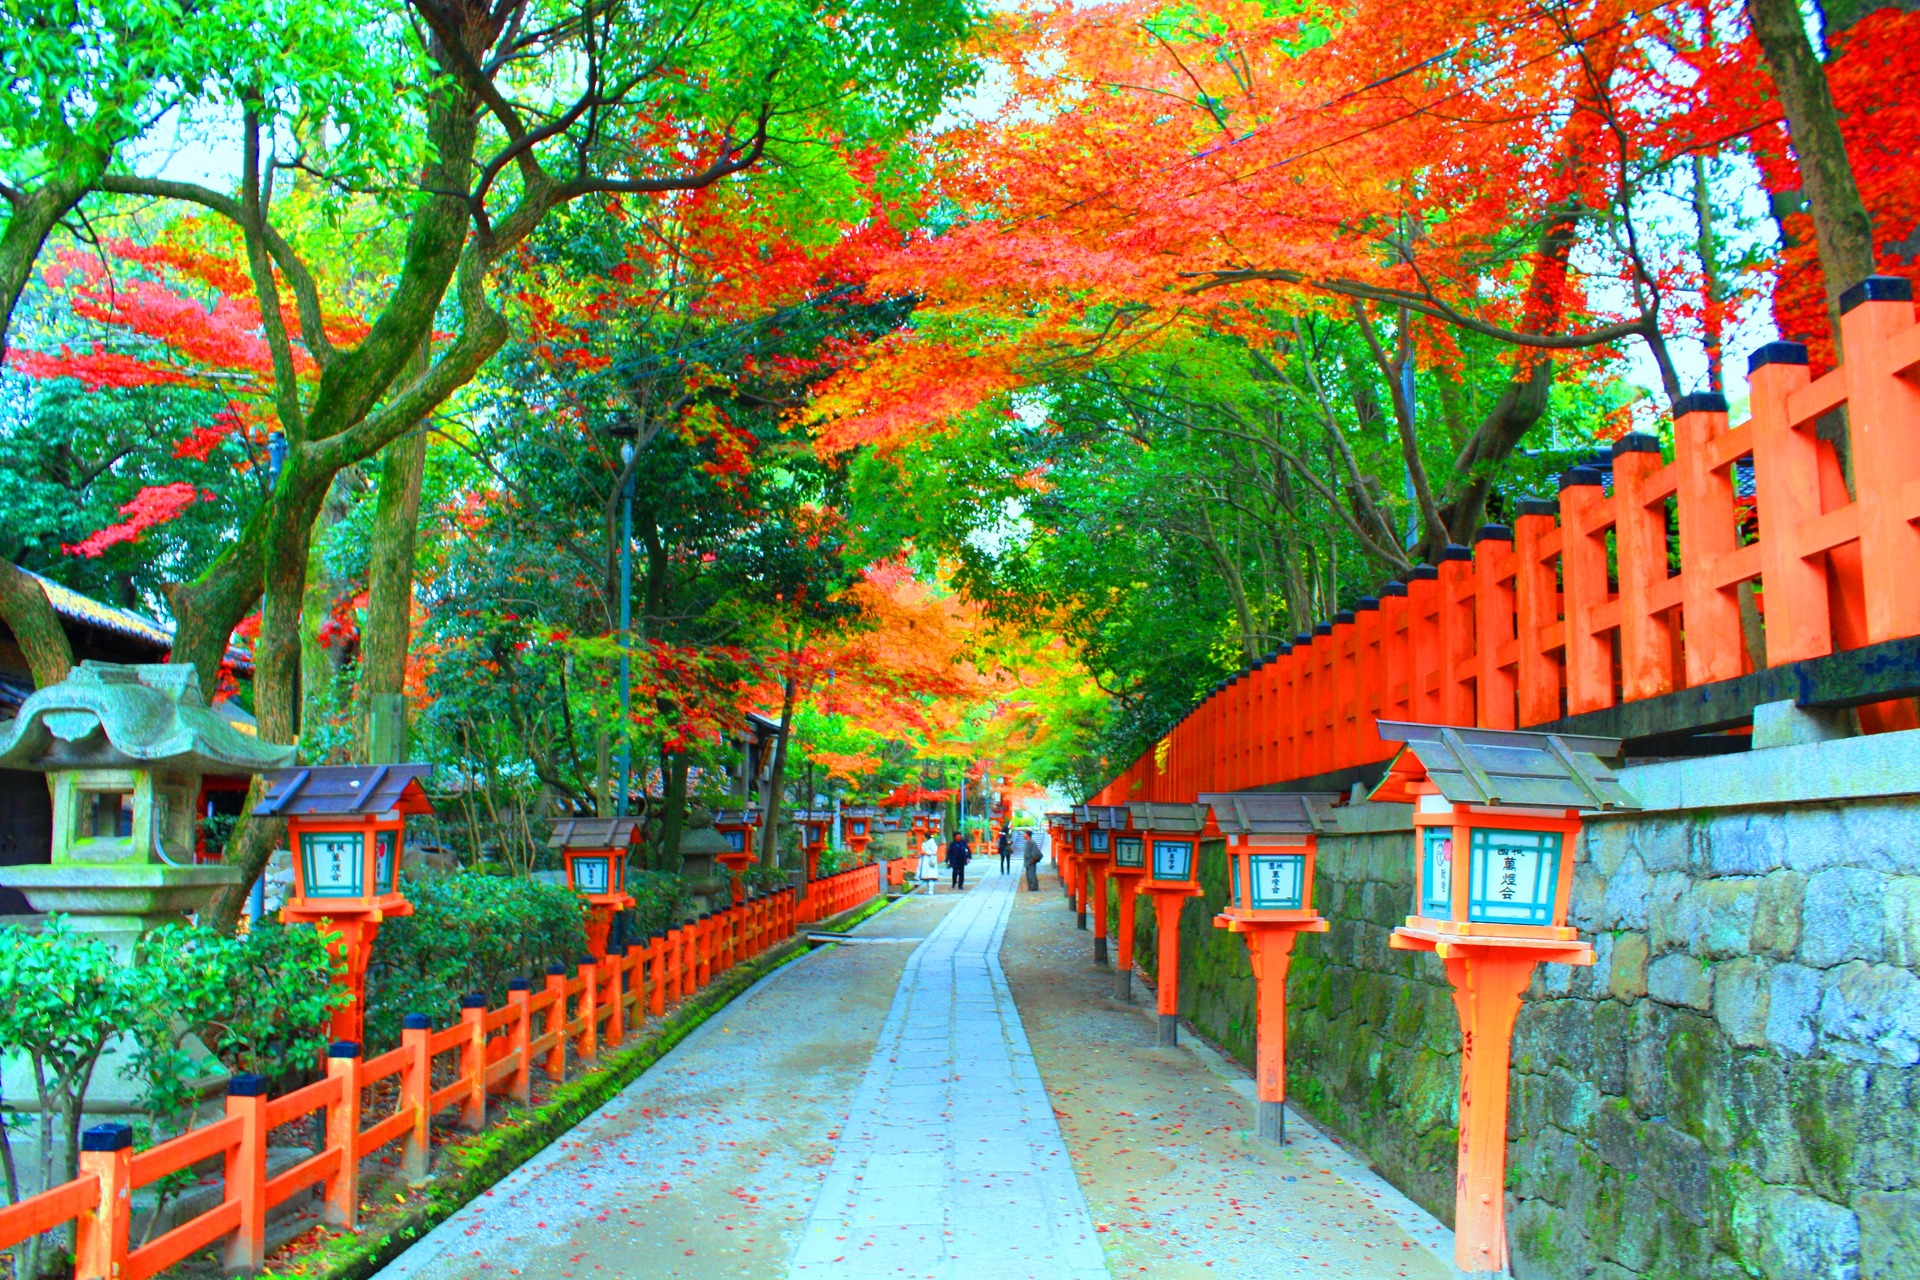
[[900, 870], [1615, 593], [843, 891], [497, 1051]]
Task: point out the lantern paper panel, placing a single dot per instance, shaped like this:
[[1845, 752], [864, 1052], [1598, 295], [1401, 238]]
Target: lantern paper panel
[[1129, 851], [1436, 872], [1513, 876], [334, 863], [386, 871], [1278, 880], [1173, 859], [1097, 840], [1233, 882], [591, 875]]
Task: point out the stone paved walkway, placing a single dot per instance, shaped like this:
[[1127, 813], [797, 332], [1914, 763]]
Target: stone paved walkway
[[890, 1111], [953, 1167]]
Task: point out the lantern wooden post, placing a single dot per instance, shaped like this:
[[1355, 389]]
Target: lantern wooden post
[[1129, 868], [346, 827], [1272, 847], [1102, 821], [736, 827], [1172, 834], [1496, 829]]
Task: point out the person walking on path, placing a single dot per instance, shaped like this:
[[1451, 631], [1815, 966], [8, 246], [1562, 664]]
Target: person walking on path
[[958, 855], [1030, 856], [1006, 852]]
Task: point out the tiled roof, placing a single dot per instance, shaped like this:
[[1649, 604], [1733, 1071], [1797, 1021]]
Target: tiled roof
[[74, 607]]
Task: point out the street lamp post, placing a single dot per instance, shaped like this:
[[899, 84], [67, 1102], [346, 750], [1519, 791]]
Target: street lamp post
[[625, 435]]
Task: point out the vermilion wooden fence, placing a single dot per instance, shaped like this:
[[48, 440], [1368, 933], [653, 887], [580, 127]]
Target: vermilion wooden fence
[[1609, 597], [497, 1051]]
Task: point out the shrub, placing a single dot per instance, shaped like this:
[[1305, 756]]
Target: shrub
[[661, 900], [469, 932]]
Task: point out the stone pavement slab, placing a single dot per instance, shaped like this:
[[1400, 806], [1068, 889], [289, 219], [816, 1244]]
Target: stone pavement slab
[[952, 1167]]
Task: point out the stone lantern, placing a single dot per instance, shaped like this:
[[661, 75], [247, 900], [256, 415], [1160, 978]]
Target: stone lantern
[[1496, 831], [595, 850], [1272, 842], [1172, 834], [127, 748], [346, 828]]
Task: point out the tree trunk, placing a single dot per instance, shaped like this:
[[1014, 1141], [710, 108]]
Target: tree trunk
[[673, 815], [389, 628], [770, 812], [36, 628], [1843, 233]]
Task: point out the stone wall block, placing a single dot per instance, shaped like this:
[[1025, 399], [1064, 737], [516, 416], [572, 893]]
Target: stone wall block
[[1587, 904], [1669, 911], [1901, 921], [1722, 914], [1571, 1101], [1740, 999], [1783, 1234], [1627, 968], [1675, 1165], [1625, 903], [1607, 844], [1889, 1234], [1743, 844], [1699, 1098], [1762, 1117], [1871, 1013], [1828, 1102], [1543, 1246], [1880, 834], [1776, 913], [1612, 1033], [1647, 1081], [1793, 999], [1816, 838], [1681, 979], [1843, 917]]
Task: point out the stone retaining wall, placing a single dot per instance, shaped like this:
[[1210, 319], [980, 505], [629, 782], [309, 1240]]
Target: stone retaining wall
[[1732, 1089]]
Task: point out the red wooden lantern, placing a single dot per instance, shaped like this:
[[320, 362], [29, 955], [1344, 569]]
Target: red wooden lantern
[[857, 829], [1128, 869], [595, 850], [1101, 822], [1171, 836], [1272, 842], [346, 826], [736, 827], [1496, 830], [814, 825]]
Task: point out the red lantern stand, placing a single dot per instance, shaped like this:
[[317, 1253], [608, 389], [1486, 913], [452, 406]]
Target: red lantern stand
[[1081, 848], [1272, 843], [1107, 819], [737, 827], [1128, 870], [856, 830], [1172, 834], [595, 851], [1496, 830], [814, 826], [346, 827]]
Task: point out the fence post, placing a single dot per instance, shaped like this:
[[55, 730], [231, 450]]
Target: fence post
[[1536, 600], [703, 951], [556, 1024], [473, 1061], [1883, 409], [1395, 668], [343, 1134], [656, 959], [521, 998], [1493, 626], [1423, 644], [101, 1234], [416, 1086], [1583, 574], [617, 995], [1456, 635], [1703, 497], [1640, 551], [245, 1252], [586, 1045]]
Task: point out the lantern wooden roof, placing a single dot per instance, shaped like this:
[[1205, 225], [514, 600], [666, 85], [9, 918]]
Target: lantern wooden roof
[[1168, 819], [1270, 813], [812, 815], [594, 833], [1502, 767], [1107, 817], [736, 817], [1058, 819], [346, 791], [860, 811]]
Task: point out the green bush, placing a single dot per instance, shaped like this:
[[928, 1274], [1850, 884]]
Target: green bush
[[468, 932], [661, 900]]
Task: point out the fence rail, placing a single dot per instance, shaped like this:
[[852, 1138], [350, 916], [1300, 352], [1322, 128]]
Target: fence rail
[[1669, 576], [497, 1048]]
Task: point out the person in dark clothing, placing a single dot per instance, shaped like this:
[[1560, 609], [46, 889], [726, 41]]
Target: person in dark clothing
[[959, 853], [1006, 852], [1030, 857]]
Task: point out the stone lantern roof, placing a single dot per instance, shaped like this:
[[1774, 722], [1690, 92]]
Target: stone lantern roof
[[109, 716]]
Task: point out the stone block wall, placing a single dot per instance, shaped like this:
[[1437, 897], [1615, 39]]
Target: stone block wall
[[1732, 1089]]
